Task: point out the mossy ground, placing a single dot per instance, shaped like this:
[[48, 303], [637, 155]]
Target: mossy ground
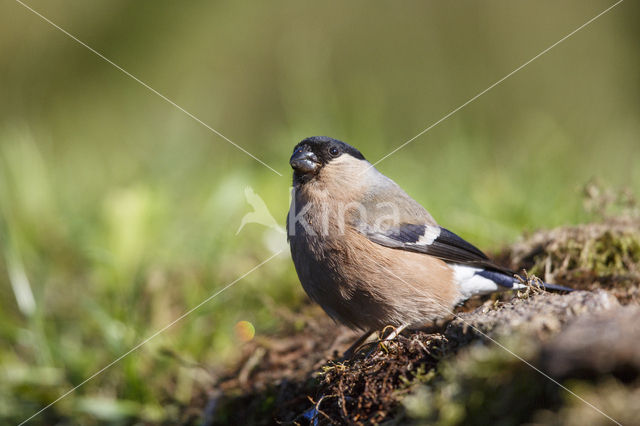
[[598, 255], [475, 369]]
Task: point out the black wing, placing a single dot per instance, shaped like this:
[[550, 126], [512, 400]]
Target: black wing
[[434, 241]]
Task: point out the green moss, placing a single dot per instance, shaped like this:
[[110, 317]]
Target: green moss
[[618, 401], [481, 385], [593, 249]]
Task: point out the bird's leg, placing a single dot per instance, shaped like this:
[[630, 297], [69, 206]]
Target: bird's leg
[[353, 348], [394, 333]]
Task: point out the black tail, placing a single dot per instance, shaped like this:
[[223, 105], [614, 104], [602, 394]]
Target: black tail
[[507, 281], [556, 287]]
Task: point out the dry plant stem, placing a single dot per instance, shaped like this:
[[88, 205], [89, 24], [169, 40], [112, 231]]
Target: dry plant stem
[[394, 333]]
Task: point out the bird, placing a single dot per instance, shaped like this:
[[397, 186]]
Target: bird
[[369, 254]]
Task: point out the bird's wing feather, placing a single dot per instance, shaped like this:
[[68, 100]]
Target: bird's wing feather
[[432, 240], [413, 228]]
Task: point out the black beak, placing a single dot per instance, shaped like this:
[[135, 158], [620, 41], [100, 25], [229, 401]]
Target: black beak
[[304, 161]]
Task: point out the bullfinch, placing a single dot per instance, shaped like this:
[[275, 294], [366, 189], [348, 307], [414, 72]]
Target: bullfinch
[[368, 253]]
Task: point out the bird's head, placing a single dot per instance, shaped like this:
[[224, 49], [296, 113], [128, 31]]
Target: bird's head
[[314, 154]]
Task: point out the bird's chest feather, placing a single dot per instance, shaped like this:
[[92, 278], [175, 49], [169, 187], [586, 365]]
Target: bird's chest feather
[[320, 249], [318, 243]]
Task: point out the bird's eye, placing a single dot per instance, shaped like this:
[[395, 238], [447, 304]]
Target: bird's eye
[[334, 151]]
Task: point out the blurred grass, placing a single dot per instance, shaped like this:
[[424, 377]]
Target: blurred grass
[[118, 212]]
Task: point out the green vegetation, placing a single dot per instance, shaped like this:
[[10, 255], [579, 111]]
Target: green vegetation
[[484, 384], [609, 253], [118, 213], [603, 252]]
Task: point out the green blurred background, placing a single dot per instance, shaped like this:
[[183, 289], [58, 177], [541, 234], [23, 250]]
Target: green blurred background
[[118, 212]]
